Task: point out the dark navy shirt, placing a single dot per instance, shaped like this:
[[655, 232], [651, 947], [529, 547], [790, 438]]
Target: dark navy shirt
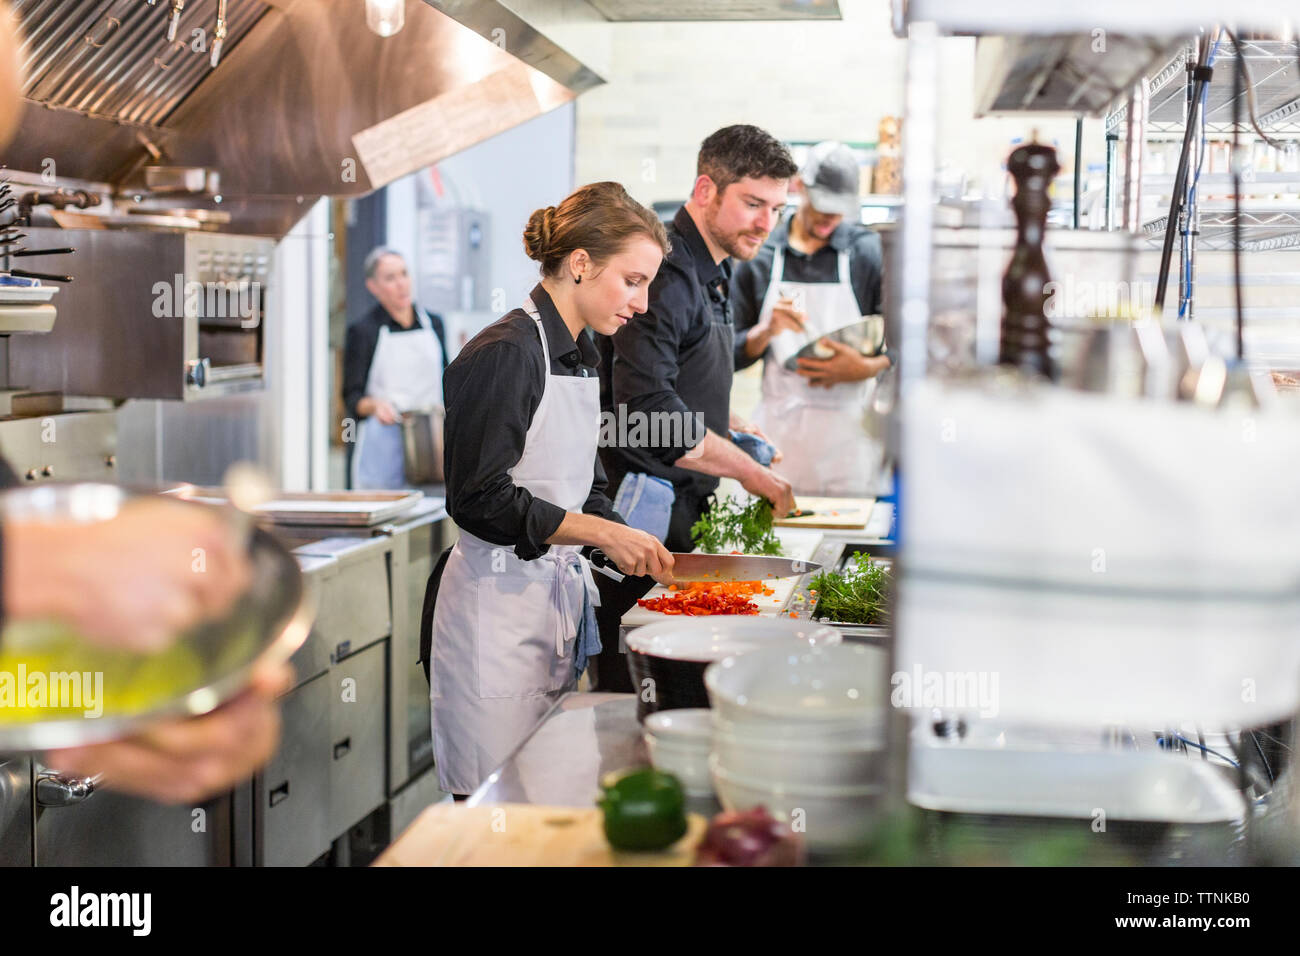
[[359, 351], [689, 298]]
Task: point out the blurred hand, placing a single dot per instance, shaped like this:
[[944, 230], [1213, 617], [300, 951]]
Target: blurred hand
[[768, 484], [785, 318], [386, 413], [134, 581], [637, 553], [846, 365], [188, 760]]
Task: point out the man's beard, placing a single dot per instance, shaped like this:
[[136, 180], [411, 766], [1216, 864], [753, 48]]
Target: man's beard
[[730, 242]]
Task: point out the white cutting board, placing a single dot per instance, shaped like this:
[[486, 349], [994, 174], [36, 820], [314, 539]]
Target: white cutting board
[[797, 543]]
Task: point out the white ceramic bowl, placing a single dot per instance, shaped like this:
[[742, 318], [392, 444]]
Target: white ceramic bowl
[[713, 637], [848, 763], [687, 725], [871, 729], [688, 762], [831, 818], [668, 658], [838, 685]]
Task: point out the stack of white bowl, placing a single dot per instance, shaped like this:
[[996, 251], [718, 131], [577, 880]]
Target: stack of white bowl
[[802, 732], [679, 742]]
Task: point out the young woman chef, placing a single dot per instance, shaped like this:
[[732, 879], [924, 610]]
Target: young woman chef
[[512, 620]]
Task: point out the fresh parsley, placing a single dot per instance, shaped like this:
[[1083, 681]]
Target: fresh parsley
[[731, 525], [857, 595]]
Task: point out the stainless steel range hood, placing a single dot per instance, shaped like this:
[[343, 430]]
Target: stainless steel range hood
[[305, 100], [644, 10]]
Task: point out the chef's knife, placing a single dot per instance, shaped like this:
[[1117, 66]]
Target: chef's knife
[[718, 567]]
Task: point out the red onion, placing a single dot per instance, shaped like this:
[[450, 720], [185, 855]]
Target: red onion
[[748, 838]]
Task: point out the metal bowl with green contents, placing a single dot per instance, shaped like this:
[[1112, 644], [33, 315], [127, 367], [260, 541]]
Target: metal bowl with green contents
[[58, 690]]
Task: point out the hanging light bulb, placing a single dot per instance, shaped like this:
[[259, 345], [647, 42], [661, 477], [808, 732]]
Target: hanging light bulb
[[385, 17]]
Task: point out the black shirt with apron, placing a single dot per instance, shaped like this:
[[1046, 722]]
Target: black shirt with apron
[[674, 359]]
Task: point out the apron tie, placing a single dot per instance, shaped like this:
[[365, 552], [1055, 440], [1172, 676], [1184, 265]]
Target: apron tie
[[567, 622]]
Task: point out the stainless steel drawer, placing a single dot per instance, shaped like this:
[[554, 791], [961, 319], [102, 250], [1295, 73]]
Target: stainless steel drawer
[[291, 795], [313, 658], [358, 746], [354, 610]]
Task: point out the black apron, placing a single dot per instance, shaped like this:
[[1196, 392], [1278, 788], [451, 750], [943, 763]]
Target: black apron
[[426, 615]]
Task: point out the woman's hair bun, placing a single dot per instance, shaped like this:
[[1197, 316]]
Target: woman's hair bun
[[598, 218], [537, 234]]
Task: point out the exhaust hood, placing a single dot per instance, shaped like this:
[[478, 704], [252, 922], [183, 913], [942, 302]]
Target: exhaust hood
[[631, 10], [304, 102]]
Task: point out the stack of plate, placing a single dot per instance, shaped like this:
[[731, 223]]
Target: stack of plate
[[802, 732]]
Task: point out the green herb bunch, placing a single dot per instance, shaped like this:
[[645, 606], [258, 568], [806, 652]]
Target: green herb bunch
[[857, 595], [732, 526]]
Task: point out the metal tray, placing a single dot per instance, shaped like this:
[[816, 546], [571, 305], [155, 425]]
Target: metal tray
[[998, 777], [214, 663], [346, 509], [833, 553]]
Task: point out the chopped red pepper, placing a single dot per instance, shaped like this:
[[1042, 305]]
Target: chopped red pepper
[[702, 598]]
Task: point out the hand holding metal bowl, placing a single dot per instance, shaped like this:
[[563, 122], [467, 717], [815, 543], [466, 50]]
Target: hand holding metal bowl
[[866, 335], [59, 689]]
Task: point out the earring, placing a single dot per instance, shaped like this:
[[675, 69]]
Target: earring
[[577, 279]]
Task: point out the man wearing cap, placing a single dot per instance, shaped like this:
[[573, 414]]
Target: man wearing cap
[[819, 271]]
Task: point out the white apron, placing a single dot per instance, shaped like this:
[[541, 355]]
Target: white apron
[[820, 431], [504, 628], [406, 371]]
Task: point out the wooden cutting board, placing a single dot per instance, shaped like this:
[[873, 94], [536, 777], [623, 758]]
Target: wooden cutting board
[[519, 834], [847, 513]]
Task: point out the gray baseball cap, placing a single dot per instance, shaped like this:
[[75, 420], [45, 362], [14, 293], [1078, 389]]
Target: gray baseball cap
[[830, 174]]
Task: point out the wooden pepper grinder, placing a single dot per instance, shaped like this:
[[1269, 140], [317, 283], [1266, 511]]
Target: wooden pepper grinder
[[1027, 340]]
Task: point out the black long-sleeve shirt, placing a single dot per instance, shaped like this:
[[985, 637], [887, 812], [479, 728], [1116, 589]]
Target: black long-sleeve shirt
[[492, 390], [359, 351], [751, 279], [687, 299]]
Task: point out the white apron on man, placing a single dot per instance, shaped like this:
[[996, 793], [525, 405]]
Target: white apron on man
[[821, 432], [406, 372], [504, 628]]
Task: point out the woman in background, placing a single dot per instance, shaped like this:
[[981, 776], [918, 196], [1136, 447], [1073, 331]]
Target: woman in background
[[393, 360]]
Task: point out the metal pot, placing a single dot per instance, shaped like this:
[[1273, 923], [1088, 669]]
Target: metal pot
[[422, 446]]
